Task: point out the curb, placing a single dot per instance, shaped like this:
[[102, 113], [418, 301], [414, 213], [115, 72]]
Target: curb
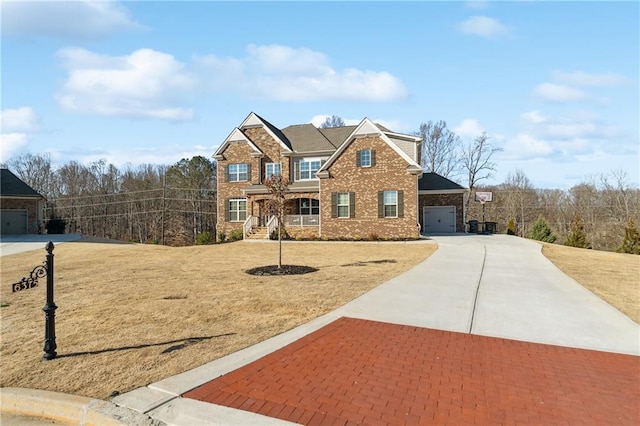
[[68, 408]]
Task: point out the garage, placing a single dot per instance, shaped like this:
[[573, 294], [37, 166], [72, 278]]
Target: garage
[[439, 220], [13, 222]]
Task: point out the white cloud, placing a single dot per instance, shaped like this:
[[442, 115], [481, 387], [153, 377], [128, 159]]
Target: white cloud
[[144, 84], [21, 119], [469, 128], [16, 124], [483, 26], [167, 154], [10, 144], [563, 138], [583, 79], [526, 146], [567, 86], [285, 73], [534, 117], [559, 93], [65, 19]]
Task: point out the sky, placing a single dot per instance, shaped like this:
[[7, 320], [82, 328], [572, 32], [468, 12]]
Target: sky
[[553, 84]]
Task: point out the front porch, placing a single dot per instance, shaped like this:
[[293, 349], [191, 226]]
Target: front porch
[[296, 225]]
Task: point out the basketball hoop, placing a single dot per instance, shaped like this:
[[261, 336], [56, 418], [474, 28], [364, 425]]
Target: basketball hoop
[[484, 197]]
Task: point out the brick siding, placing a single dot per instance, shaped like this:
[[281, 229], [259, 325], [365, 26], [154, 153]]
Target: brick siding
[[31, 206], [389, 173]]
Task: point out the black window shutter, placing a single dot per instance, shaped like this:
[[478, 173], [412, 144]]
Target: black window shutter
[[334, 204], [227, 209], [226, 173], [248, 172], [358, 161], [380, 203], [352, 204], [400, 203], [373, 158]]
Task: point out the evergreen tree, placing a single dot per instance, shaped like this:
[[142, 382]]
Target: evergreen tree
[[540, 231], [631, 241], [577, 236]]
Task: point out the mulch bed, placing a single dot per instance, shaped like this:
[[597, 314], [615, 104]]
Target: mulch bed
[[284, 270]]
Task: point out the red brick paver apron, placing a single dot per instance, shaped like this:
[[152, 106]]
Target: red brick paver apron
[[364, 372]]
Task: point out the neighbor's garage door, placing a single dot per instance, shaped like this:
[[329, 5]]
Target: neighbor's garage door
[[438, 220], [13, 222]]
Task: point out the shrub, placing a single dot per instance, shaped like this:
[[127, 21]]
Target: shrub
[[55, 226], [577, 236], [631, 242], [540, 231], [204, 238], [511, 227], [236, 234], [284, 234], [222, 237], [373, 237]]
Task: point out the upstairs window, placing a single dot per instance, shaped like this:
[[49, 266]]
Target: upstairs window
[[272, 169], [238, 172], [307, 169], [366, 158]]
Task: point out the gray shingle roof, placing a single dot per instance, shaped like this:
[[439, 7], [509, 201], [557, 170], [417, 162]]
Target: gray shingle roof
[[307, 138], [11, 185], [434, 182], [337, 135]]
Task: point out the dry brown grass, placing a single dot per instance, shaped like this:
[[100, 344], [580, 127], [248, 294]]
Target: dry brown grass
[[614, 277], [130, 315]]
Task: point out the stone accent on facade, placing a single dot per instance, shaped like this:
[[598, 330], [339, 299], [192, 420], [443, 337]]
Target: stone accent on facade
[[389, 173], [435, 200]]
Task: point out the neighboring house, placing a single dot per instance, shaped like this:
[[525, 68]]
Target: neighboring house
[[351, 182], [21, 207]]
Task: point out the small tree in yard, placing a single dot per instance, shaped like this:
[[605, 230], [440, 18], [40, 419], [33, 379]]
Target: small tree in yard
[[278, 187], [540, 231], [577, 236], [511, 227], [631, 241]]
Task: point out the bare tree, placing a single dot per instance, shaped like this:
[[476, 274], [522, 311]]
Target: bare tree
[[440, 149], [278, 187], [519, 196], [477, 162], [333, 121]]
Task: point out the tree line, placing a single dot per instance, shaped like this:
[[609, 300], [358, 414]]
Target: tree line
[[172, 205], [176, 205]]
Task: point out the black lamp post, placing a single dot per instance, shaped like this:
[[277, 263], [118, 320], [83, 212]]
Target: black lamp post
[[50, 310]]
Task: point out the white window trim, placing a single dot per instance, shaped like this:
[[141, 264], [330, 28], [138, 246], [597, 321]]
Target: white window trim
[[385, 204], [347, 205], [312, 174], [237, 212], [362, 163], [236, 177], [277, 166]]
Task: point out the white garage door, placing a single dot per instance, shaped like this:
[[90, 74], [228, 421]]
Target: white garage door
[[439, 220], [13, 222]]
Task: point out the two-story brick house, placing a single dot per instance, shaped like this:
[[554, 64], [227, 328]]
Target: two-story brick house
[[351, 182]]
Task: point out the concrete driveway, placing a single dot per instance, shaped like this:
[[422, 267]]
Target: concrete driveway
[[12, 244], [472, 287]]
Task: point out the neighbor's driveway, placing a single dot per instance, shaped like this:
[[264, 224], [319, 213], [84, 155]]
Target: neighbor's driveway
[[12, 244]]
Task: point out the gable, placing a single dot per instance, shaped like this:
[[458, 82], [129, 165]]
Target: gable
[[367, 128], [236, 136]]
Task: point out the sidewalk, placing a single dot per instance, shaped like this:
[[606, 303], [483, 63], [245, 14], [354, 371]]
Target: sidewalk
[[493, 292]]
